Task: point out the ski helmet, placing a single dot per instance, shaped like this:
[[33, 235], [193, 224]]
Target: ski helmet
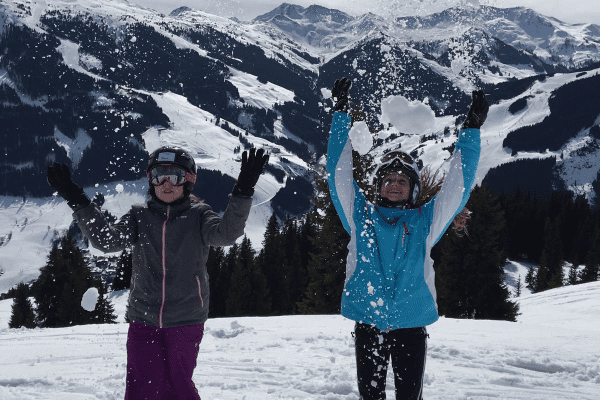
[[401, 162], [173, 156]]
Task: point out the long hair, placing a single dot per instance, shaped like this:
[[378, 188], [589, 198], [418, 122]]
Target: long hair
[[431, 183]]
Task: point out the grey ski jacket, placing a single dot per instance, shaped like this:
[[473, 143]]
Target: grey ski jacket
[[169, 284]]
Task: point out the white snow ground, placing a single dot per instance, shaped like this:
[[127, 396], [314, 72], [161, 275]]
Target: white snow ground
[[551, 353]]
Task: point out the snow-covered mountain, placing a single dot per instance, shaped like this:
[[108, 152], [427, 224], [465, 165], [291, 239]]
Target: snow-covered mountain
[[100, 83], [544, 39], [551, 353]]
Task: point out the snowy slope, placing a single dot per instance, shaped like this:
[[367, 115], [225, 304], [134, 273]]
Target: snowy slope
[[500, 122], [551, 353], [30, 227]]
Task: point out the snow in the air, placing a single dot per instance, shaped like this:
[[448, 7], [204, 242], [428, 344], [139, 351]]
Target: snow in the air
[[89, 299], [361, 138], [551, 353], [408, 117]]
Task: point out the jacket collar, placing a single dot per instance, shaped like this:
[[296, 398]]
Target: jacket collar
[[176, 206]]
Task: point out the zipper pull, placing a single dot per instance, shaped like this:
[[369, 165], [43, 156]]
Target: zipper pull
[[405, 232]]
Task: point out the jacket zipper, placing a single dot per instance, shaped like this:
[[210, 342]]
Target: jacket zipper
[[200, 292], [164, 268]]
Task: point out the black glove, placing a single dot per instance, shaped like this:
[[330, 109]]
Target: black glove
[[59, 178], [253, 165], [340, 90], [478, 111]]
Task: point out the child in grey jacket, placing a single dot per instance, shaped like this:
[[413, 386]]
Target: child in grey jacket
[[170, 237]]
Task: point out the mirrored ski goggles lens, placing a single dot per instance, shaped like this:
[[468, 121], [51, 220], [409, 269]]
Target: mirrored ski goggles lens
[[174, 174], [405, 158], [396, 160]]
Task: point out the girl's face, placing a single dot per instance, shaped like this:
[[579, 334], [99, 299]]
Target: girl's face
[[395, 187], [168, 192]]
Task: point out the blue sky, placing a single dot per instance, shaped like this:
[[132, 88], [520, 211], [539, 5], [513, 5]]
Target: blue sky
[[577, 11]]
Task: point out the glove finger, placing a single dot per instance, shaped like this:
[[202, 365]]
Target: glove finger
[[252, 157], [263, 158], [50, 176], [260, 153], [347, 84], [244, 158], [63, 171], [336, 88]]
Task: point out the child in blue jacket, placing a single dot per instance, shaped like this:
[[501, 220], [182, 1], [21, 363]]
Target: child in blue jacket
[[390, 281]]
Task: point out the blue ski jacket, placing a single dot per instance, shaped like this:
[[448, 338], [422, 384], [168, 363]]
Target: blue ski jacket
[[390, 281]]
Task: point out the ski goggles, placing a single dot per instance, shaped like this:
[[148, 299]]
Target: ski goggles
[[173, 173], [397, 159]]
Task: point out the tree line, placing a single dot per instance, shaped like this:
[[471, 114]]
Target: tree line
[[300, 267], [58, 292]]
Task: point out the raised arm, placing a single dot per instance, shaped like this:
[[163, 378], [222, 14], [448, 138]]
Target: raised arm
[[342, 187], [92, 221], [223, 231], [460, 179]]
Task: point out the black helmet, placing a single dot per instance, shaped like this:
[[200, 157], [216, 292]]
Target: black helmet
[[398, 161], [174, 156]]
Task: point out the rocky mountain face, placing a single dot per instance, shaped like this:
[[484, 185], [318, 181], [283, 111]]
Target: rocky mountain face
[[82, 82]]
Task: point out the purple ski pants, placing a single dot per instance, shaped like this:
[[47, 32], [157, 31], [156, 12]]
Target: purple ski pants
[[161, 361]]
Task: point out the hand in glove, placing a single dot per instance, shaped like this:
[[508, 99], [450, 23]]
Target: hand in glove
[[253, 165], [478, 111], [340, 90], [59, 178]]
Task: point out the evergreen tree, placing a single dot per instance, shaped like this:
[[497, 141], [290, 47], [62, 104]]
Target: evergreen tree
[[61, 285], [524, 230], [550, 272], [470, 269], [236, 304], [124, 270], [327, 265], [248, 292], [220, 291], [240, 288], [22, 309], [530, 278], [216, 255], [573, 278], [271, 261], [295, 263], [308, 233], [591, 270], [581, 230], [104, 313], [519, 287], [260, 298]]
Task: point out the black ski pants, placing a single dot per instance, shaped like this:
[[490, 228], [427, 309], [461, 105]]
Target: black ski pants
[[406, 347]]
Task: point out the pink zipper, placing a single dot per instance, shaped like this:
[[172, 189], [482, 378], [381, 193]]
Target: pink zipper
[[200, 292], [164, 268]]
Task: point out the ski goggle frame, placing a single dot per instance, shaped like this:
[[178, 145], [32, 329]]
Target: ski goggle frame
[[397, 159], [176, 175]]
